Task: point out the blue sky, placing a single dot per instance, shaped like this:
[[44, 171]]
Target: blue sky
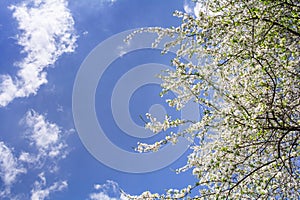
[[43, 45]]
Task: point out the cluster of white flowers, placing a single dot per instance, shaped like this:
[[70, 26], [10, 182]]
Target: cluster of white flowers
[[144, 147], [156, 127], [170, 195], [247, 81], [145, 195]]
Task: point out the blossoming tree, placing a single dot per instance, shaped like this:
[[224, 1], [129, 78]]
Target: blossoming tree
[[248, 85]]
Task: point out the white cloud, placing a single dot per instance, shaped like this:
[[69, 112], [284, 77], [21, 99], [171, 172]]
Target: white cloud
[[47, 31], [200, 7], [203, 6], [40, 191], [104, 196], [188, 6], [10, 168], [107, 1], [27, 158], [107, 191], [187, 9], [195, 8], [47, 146], [97, 186], [108, 186], [91, 7], [101, 196], [45, 136]]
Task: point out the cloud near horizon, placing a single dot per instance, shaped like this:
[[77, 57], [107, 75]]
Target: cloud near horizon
[[46, 32]]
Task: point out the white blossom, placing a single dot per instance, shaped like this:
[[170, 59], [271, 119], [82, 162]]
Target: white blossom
[[247, 82]]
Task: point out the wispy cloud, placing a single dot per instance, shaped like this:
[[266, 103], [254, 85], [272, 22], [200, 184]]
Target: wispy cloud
[[46, 32], [107, 191], [47, 138], [41, 191], [101, 196], [91, 8], [10, 168], [101, 2], [46, 144]]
